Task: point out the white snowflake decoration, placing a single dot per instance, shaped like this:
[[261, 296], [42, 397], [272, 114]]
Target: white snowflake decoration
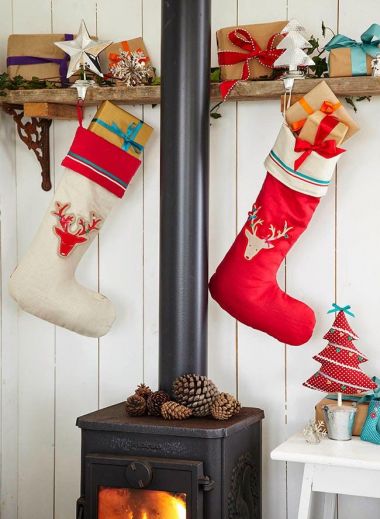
[[132, 68], [315, 431]]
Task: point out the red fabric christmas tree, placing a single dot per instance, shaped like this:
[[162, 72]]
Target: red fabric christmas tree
[[340, 359]]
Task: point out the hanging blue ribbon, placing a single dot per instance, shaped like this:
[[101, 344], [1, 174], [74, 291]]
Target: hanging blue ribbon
[[359, 50], [128, 137], [337, 308]]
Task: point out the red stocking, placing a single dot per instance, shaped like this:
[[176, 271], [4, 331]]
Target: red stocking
[[245, 284]]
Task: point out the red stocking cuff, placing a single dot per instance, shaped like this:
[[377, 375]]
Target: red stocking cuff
[[100, 161]]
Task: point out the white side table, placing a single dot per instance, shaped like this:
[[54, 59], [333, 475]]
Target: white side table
[[333, 467]]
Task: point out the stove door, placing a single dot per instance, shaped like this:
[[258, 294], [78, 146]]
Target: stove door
[[130, 487]]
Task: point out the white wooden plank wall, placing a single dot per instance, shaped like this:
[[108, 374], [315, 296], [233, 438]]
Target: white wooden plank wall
[[50, 376]]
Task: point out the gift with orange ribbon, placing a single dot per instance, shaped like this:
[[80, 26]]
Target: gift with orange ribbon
[[327, 148], [247, 52], [111, 55], [327, 107], [320, 98]]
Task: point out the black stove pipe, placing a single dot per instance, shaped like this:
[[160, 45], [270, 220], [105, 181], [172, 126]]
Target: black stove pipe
[[185, 100]]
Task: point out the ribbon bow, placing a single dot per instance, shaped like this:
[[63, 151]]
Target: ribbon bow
[[325, 148], [327, 107], [337, 308], [359, 49], [128, 136], [251, 50], [114, 58]]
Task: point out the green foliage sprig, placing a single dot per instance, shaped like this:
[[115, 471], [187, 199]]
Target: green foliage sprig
[[19, 83], [320, 67], [351, 100]]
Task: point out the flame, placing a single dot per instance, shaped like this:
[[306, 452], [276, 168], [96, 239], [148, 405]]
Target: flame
[[181, 510], [125, 503]]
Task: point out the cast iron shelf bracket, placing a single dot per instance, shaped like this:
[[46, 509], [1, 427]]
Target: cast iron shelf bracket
[[35, 134]]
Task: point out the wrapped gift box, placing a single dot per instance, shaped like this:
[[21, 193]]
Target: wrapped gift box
[[340, 63], [111, 55], [261, 33], [320, 97], [36, 55], [310, 128], [360, 416], [121, 128], [353, 58]]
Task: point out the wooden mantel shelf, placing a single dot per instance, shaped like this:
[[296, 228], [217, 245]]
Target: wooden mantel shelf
[[46, 104], [244, 91]]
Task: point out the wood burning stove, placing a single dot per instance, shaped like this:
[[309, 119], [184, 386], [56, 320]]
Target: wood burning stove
[[145, 467]]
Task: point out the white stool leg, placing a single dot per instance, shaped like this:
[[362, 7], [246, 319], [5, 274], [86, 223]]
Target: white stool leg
[[307, 486], [329, 506]]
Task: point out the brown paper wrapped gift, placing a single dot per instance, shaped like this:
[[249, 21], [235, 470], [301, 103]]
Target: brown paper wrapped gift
[[23, 47], [112, 123], [261, 33], [340, 64], [111, 54], [319, 97], [310, 128], [360, 415]]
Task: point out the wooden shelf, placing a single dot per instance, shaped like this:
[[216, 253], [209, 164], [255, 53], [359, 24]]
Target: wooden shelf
[[41, 106], [244, 91]]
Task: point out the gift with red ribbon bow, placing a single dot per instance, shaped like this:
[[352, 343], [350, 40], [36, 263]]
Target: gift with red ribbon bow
[[327, 148], [309, 130], [247, 52]]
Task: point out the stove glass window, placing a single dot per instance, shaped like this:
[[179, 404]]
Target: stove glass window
[[126, 503]]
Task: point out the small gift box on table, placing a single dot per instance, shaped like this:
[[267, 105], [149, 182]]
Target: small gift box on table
[[35, 55], [352, 58], [335, 130], [320, 98], [121, 128], [247, 52], [111, 56]]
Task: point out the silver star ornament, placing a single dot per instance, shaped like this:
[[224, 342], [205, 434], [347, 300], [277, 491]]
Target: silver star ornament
[[83, 51]]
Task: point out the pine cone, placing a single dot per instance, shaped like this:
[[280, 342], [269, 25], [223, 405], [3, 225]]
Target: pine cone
[[155, 402], [144, 391], [225, 406], [135, 405], [173, 411], [195, 392]]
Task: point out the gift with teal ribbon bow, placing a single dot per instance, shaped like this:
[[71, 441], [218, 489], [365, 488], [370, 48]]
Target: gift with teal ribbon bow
[[369, 45], [128, 136]]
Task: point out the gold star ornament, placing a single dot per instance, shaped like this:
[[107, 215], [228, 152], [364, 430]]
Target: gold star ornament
[[83, 52]]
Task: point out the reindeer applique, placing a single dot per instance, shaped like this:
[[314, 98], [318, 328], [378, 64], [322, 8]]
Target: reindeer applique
[[69, 238], [255, 243]]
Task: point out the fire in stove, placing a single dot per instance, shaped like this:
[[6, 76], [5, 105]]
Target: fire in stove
[[126, 503]]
